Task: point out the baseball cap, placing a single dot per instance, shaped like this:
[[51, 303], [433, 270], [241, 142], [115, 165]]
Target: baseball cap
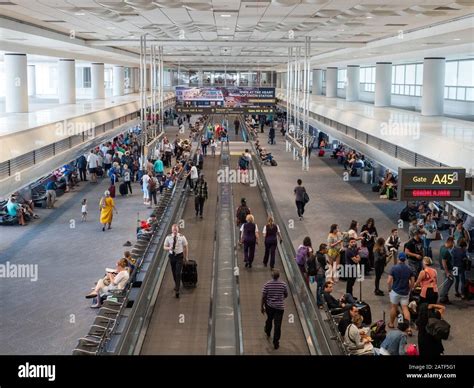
[[402, 256]]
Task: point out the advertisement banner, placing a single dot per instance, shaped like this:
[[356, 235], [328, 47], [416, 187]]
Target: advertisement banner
[[228, 97]]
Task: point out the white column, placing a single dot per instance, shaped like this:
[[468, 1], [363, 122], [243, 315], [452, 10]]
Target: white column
[[331, 82], [383, 84], [317, 82], [136, 79], [31, 80], [67, 81], [200, 77], [97, 80], [432, 100], [353, 83], [118, 81], [16, 82]]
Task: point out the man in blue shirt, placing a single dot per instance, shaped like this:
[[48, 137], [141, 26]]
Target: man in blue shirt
[[158, 167], [396, 340], [50, 194], [400, 282]]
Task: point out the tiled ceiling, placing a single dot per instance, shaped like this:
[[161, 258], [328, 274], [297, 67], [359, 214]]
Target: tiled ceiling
[[233, 31]]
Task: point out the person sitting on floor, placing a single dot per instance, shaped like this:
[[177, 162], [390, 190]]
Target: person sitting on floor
[[396, 341], [116, 280]]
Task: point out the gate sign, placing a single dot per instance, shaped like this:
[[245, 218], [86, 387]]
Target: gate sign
[[428, 184]]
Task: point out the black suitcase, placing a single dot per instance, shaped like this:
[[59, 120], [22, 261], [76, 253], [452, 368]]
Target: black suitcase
[[123, 189], [364, 310], [189, 275]]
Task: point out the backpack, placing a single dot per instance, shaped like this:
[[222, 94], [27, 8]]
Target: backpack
[[242, 163], [438, 328], [311, 266], [152, 184], [242, 213]]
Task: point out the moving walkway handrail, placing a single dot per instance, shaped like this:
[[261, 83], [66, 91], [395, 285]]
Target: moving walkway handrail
[[320, 335]]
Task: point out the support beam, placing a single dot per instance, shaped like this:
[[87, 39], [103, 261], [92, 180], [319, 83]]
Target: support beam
[[16, 83], [432, 100], [67, 81], [97, 80], [383, 84]]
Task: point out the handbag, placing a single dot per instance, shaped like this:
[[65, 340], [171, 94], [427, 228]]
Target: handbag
[[305, 197]]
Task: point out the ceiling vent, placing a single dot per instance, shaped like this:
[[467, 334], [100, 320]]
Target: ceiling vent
[[395, 25], [54, 21], [7, 3]]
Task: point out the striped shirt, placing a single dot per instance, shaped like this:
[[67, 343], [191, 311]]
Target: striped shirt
[[274, 292]]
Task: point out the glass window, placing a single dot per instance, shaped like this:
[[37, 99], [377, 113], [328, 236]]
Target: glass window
[[419, 74], [452, 93], [466, 73], [400, 74], [410, 73], [418, 90], [470, 94], [461, 94], [451, 73], [341, 78]]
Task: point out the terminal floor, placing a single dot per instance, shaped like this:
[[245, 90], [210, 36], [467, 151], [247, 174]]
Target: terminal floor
[[334, 200], [49, 315]]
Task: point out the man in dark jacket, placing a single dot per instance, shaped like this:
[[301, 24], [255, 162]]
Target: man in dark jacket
[[81, 164], [200, 191]]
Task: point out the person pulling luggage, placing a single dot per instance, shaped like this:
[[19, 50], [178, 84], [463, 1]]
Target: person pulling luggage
[[177, 246], [200, 191]]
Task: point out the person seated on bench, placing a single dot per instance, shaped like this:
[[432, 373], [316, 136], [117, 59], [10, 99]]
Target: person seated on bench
[[14, 209], [389, 186], [28, 206], [334, 305], [357, 341], [112, 281], [347, 318]]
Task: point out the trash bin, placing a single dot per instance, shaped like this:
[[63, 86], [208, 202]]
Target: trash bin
[[367, 176]]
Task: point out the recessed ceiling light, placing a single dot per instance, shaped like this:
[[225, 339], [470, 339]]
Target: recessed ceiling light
[[79, 14], [111, 28], [225, 15], [369, 17], [457, 39], [342, 29]]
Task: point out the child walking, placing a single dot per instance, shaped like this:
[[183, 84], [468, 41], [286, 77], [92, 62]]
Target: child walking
[[84, 210]]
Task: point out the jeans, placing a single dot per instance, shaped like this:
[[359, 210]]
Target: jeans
[[129, 185], [82, 174], [277, 316], [320, 280], [176, 262], [199, 205], [379, 267], [460, 278], [426, 244], [447, 284], [415, 266], [249, 251], [350, 285], [153, 197], [300, 208], [270, 248]]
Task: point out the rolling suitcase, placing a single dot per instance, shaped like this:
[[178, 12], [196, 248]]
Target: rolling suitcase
[[112, 191], [189, 275], [364, 308], [123, 189]]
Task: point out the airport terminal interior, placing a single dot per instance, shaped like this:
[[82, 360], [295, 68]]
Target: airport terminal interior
[[237, 177]]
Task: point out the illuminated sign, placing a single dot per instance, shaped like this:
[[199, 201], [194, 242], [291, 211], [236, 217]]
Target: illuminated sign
[[224, 110], [440, 183]]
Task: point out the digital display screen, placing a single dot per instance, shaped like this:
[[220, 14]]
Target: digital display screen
[[442, 183]]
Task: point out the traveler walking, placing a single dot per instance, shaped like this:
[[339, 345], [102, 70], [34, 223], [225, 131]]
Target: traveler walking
[[380, 260], [301, 198], [200, 191], [271, 232], [274, 293], [249, 238], [51, 193], [447, 267], [177, 247]]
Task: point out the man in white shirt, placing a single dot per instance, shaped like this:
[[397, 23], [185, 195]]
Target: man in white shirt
[[177, 246], [93, 163], [194, 175]]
